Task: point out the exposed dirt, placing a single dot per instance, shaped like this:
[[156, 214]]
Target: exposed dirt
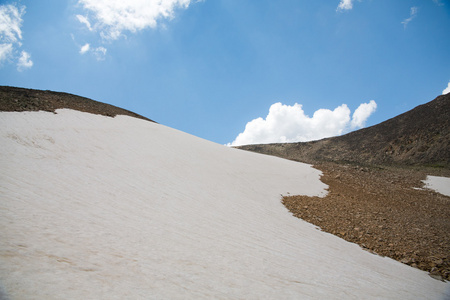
[[20, 99], [382, 210]]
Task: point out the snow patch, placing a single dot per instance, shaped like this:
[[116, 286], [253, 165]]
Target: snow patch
[[438, 184], [94, 207]]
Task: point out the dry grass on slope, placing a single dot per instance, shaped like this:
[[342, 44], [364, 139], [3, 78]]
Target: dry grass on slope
[[379, 209]]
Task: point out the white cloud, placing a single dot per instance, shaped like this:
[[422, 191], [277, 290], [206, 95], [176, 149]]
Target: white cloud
[[85, 48], [11, 36], [438, 2], [113, 17], [100, 53], [345, 5], [362, 113], [10, 23], [5, 51], [286, 123], [24, 61], [412, 15], [447, 89], [84, 21]]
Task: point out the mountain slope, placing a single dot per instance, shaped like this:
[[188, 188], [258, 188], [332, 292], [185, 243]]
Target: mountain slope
[[20, 99], [420, 136], [94, 207]]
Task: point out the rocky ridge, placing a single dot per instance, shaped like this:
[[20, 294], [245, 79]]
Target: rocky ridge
[[21, 99], [419, 137]]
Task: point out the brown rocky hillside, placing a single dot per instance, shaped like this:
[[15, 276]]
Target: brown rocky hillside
[[420, 136], [376, 197], [20, 99]]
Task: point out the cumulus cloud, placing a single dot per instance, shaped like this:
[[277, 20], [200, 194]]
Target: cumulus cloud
[[24, 61], [362, 113], [345, 5], [85, 48], [11, 36], [286, 124], [447, 89], [412, 15], [114, 17]]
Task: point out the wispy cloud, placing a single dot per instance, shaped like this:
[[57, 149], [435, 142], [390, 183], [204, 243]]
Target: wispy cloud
[[447, 89], [10, 23], [286, 123], [24, 61], [84, 21], [438, 2], [111, 18], [412, 15], [11, 36], [6, 50], [100, 53]]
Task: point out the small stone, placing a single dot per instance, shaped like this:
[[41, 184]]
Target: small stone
[[436, 276], [438, 262], [406, 261]]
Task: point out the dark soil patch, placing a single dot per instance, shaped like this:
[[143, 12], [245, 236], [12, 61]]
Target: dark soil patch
[[20, 99], [379, 209]]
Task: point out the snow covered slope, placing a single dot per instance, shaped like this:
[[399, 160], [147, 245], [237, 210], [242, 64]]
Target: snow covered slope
[[94, 207], [438, 184]]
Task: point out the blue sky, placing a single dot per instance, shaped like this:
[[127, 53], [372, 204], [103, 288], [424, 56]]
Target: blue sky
[[280, 70]]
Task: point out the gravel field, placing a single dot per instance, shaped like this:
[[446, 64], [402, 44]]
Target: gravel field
[[385, 211]]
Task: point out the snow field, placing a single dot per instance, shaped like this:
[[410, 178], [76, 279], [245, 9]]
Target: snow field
[[119, 208], [438, 184]]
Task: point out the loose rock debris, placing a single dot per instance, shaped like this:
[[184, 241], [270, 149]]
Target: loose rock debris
[[384, 211]]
